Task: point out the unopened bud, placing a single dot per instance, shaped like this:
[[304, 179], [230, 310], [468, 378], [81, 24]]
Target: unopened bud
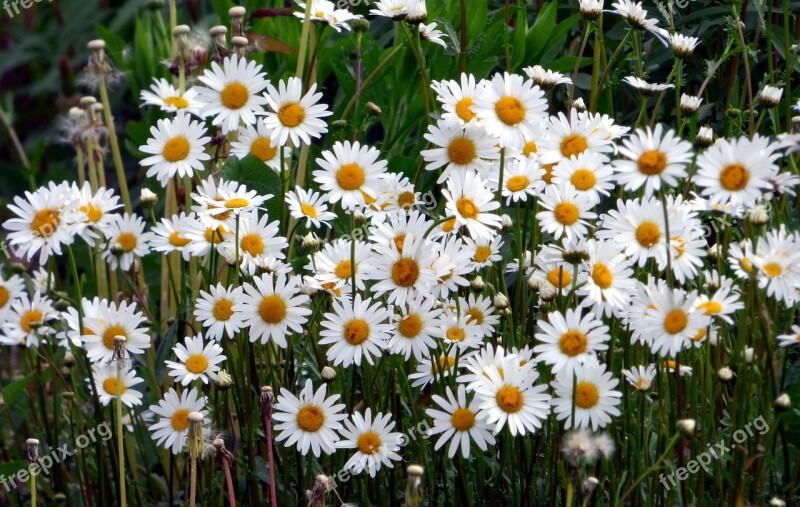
[[500, 301], [749, 353], [547, 291], [310, 242], [360, 25], [224, 380], [328, 374], [373, 109], [783, 402], [589, 485], [506, 223], [579, 104], [687, 426], [725, 374], [705, 137], [477, 284], [147, 198], [339, 124], [32, 450], [758, 215]]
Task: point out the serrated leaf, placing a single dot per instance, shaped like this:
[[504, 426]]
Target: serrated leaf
[[257, 176]]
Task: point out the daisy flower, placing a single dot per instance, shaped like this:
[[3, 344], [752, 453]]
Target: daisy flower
[[232, 92], [258, 143], [682, 45], [645, 88], [394, 228], [458, 422], [27, 320], [723, 304], [258, 238], [459, 148], [568, 341], [787, 340], [431, 368], [431, 34], [403, 273], [11, 290], [546, 78], [310, 420], [522, 178], [392, 9], [348, 172], [126, 241], [509, 107], [451, 266], [476, 363], [641, 377], [310, 206], [770, 96], [471, 203], [671, 321], [325, 11], [214, 310], [108, 388], [93, 211], [460, 331], [654, 157], [356, 330], [484, 252], [220, 204], [414, 327], [110, 321], [377, 445], [173, 411], [170, 235], [566, 212], [203, 237], [480, 312], [333, 265], [588, 173], [671, 366], [170, 99], [40, 224], [569, 137], [177, 148], [740, 257], [590, 389], [196, 361], [295, 116], [508, 397], [607, 282], [638, 228], [457, 98], [72, 334], [637, 17], [778, 263], [272, 307]]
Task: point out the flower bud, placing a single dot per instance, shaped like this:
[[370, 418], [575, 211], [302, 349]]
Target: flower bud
[[373, 109], [690, 104], [749, 354], [725, 374], [506, 223], [328, 374], [770, 96], [500, 301], [147, 198], [477, 284], [705, 137], [758, 215], [687, 426], [224, 380], [783, 402], [310, 242], [360, 25]]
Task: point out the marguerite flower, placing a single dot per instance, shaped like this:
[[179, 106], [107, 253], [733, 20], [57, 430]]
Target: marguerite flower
[[310, 420], [509, 107], [108, 387], [569, 137], [588, 173], [196, 361], [310, 206], [356, 330], [671, 321], [457, 98], [377, 445], [460, 147], [258, 238], [273, 308], [233, 92], [641, 377], [414, 328], [110, 321], [522, 178], [590, 389], [404, 272], [26, 322], [546, 78], [11, 289], [170, 99], [568, 341], [173, 412], [566, 211], [126, 241], [334, 264], [215, 311], [93, 211], [458, 423], [645, 88], [257, 141], [349, 172], [295, 116], [793, 338], [177, 148], [471, 203], [653, 157], [170, 235], [607, 284]]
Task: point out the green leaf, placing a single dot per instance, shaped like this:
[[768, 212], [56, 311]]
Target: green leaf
[[539, 35], [12, 391], [12, 467], [257, 176]]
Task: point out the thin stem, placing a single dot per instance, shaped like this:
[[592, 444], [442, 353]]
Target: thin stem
[[115, 152], [123, 497]]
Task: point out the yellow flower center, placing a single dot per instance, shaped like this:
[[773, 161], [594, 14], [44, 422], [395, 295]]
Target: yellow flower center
[[272, 309], [745, 263], [399, 241], [196, 363], [466, 208], [482, 254], [92, 212], [510, 110], [223, 309], [475, 315], [45, 222], [700, 335], [30, 317], [111, 333], [344, 270], [566, 213], [262, 149], [586, 395], [463, 109], [405, 272], [573, 144], [4, 296], [369, 442], [449, 225], [308, 210], [237, 203], [443, 363], [410, 326], [291, 115], [214, 236], [177, 102], [710, 307], [127, 241], [517, 183], [175, 239], [734, 177], [648, 234], [548, 173], [530, 148], [356, 332], [572, 343], [462, 419], [350, 177], [310, 418], [652, 162], [252, 244], [601, 275], [559, 277], [235, 95], [176, 149], [509, 399], [583, 179], [675, 321], [180, 419], [773, 269], [406, 199], [455, 334], [111, 387], [461, 151]]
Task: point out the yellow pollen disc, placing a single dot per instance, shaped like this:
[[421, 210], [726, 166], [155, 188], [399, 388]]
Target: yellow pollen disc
[[510, 110], [310, 418], [111, 387], [640, 384], [482, 254], [710, 307], [410, 326], [463, 109], [773, 269], [572, 343], [601, 275], [455, 334], [466, 208], [559, 277], [669, 363], [350, 177], [652, 162], [177, 102], [291, 115], [252, 244], [461, 151], [573, 144], [4, 296], [530, 148], [517, 183], [180, 419], [127, 241], [548, 173], [680, 246], [586, 395], [237, 202], [475, 315], [272, 309], [745, 263], [566, 213], [262, 149], [235, 95], [196, 363], [399, 241], [223, 309], [369, 442], [45, 222], [112, 332], [406, 199], [356, 332], [648, 234], [700, 335], [405, 272], [449, 225], [331, 286], [509, 399], [344, 270], [443, 363], [175, 239], [213, 236], [734, 177], [30, 317], [462, 419], [583, 179], [176, 149], [675, 321], [308, 210], [92, 212]]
